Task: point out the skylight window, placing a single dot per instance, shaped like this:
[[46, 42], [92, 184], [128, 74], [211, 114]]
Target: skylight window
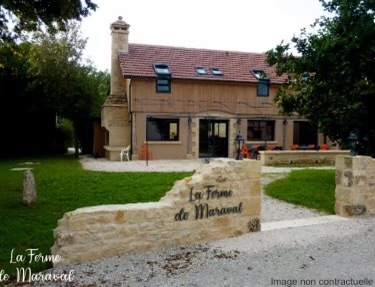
[[260, 75], [216, 72], [162, 69], [201, 71]]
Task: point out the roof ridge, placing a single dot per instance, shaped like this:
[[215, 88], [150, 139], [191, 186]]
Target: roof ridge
[[197, 49]]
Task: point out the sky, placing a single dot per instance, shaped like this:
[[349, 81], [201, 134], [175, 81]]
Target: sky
[[236, 25]]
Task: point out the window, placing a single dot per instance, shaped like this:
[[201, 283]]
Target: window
[[260, 75], [163, 85], [162, 129], [162, 69], [201, 71], [258, 130], [263, 83], [163, 80], [263, 88], [216, 72]]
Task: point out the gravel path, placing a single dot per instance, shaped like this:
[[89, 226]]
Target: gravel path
[[276, 210], [240, 261]]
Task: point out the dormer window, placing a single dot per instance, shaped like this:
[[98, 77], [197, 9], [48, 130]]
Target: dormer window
[[201, 71], [163, 80], [216, 72], [263, 83]]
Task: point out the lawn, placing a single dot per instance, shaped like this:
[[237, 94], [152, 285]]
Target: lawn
[[310, 188], [62, 186]]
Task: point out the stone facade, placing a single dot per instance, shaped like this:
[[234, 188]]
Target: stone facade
[[222, 199], [287, 157], [355, 185]]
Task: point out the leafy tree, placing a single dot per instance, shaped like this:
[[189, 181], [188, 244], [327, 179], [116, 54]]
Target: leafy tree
[[25, 115], [32, 15], [72, 88], [331, 81]]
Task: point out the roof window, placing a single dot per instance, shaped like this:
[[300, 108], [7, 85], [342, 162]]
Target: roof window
[[260, 75], [263, 83], [162, 69], [216, 72], [201, 71]]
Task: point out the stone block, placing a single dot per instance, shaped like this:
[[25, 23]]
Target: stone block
[[253, 207], [347, 179], [356, 189], [360, 180], [354, 210], [348, 161], [338, 176], [340, 162]]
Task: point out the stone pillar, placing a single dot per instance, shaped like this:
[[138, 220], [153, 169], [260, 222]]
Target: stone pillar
[[29, 189], [355, 185]]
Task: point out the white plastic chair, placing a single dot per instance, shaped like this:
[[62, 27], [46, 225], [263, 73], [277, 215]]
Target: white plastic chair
[[125, 152]]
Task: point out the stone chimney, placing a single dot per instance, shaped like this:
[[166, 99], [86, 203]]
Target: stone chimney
[[119, 33], [115, 113]]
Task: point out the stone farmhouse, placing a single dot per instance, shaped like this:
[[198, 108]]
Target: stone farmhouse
[[184, 103]]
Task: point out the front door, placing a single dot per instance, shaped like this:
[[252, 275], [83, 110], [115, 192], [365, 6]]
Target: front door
[[213, 138]]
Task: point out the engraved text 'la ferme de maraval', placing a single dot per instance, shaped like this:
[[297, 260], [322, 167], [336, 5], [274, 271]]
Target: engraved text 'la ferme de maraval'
[[204, 210]]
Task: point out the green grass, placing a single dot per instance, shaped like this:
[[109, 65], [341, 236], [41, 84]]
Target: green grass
[[310, 188], [62, 186]]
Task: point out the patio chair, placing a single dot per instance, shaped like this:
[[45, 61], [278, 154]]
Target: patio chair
[[125, 152]]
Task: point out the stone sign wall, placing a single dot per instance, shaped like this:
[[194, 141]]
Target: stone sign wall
[[355, 185], [222, 199]]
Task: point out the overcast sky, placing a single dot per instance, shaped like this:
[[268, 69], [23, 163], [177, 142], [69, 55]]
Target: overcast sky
[[236, 25]]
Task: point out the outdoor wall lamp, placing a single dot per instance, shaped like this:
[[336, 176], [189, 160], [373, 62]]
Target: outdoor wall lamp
[[353, 140], [238, 143]]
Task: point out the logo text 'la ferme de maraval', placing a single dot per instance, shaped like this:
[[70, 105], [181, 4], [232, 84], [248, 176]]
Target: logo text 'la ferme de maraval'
[[205, 210]]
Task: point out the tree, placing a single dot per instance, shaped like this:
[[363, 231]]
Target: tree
[[28, 123], [331, 81], [73, 89], [32, 15]]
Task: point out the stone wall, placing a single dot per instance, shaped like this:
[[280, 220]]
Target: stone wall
[[355, 185], [287, 157], [222, 199]]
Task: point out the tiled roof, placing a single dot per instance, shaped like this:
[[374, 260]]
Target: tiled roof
[[236, 66]]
